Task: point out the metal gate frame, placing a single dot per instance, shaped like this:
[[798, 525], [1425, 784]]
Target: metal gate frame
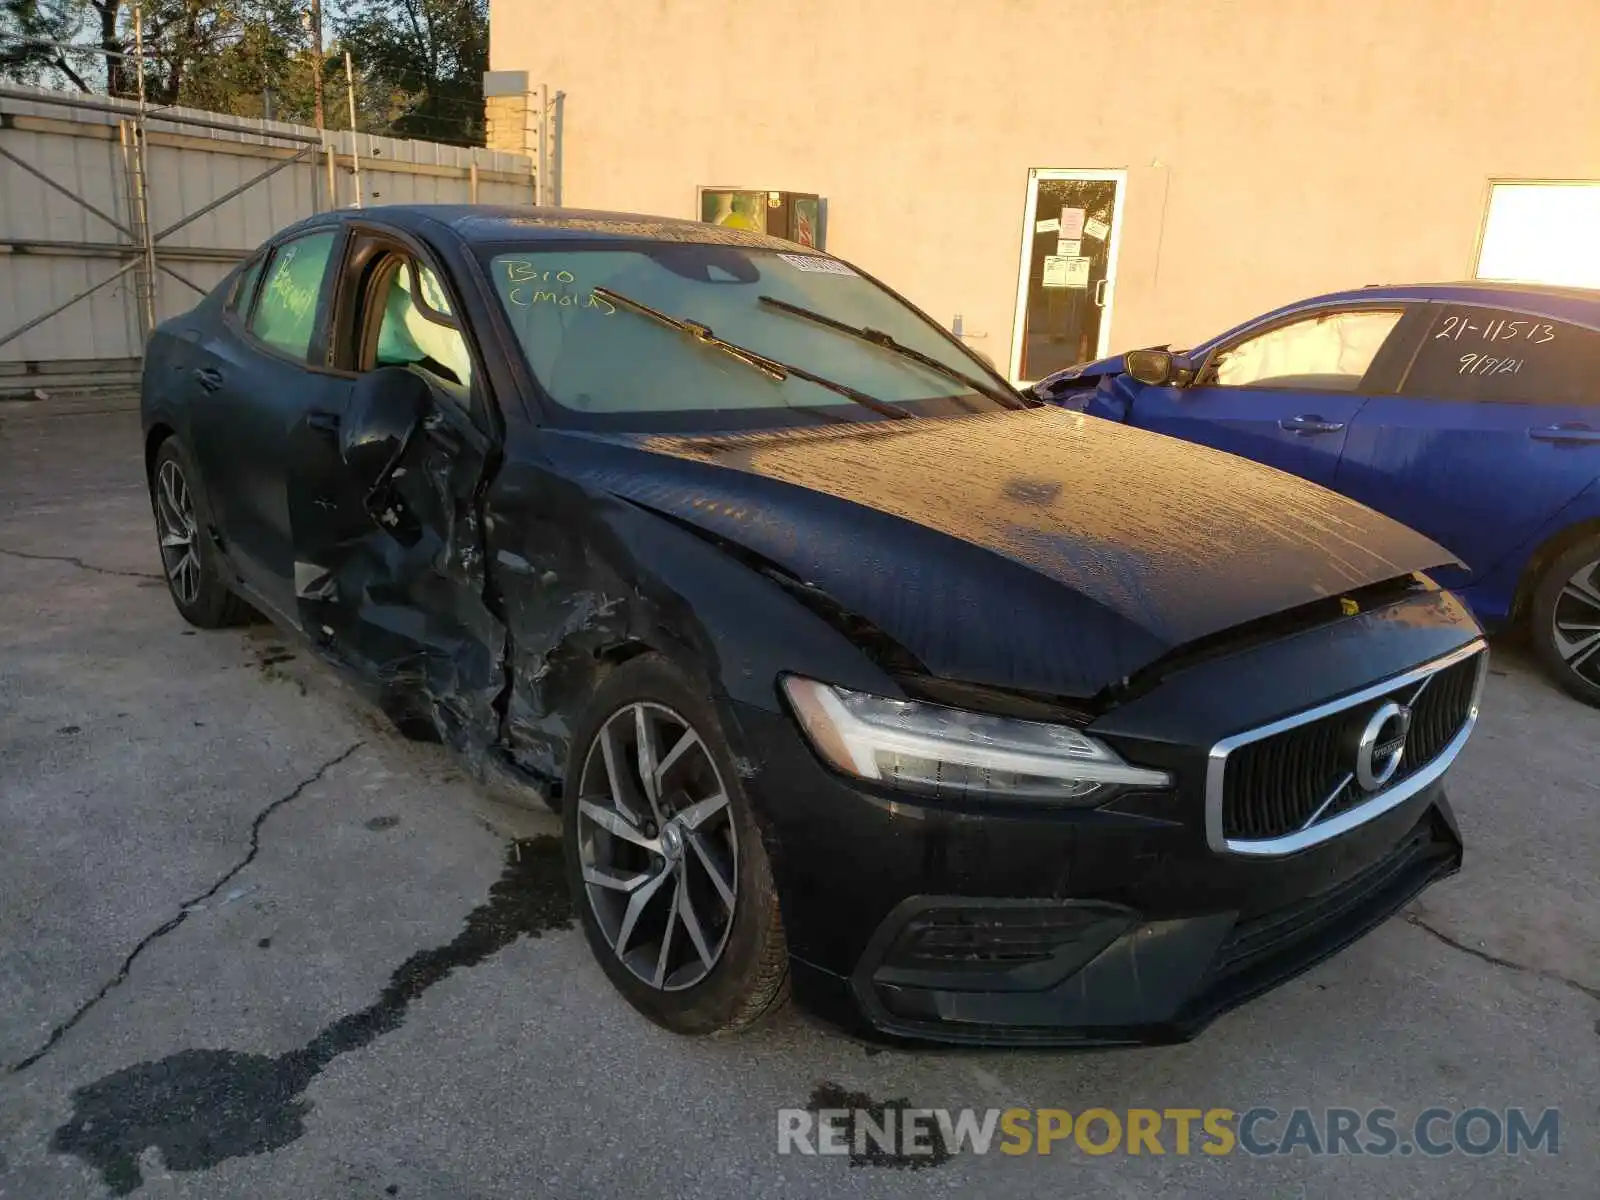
[[142, 248]]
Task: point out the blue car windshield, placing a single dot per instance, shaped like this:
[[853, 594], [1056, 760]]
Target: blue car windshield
[[596, 356]]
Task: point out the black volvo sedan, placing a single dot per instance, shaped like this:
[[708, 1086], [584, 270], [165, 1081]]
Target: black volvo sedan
[[852, 672]]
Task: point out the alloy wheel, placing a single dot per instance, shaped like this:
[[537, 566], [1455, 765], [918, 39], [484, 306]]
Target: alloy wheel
[[1576, 623], [179, 532], [657, 845]]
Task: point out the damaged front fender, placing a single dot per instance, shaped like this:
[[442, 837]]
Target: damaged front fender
[[586, 581]]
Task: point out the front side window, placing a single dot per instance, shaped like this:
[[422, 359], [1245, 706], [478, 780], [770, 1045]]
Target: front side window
[[598, 357], [244, 285], [1329, 352], [417, 327], [1486, 354], [286, 312]]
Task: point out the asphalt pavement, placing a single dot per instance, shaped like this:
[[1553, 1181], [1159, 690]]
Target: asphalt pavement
[[254, 944]]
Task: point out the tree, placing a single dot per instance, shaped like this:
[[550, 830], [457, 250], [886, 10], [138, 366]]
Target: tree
[[419, 63], [43, 36], [430, 55]]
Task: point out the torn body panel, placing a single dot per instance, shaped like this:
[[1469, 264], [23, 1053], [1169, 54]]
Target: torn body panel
[[389, 567], [589, 580]]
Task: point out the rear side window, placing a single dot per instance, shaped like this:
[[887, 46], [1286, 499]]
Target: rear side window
[[286, 312], [1487, 355], [1328, 352]]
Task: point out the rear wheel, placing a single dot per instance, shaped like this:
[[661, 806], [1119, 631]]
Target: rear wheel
[[188, 558], [1566, 620], [665, 860]]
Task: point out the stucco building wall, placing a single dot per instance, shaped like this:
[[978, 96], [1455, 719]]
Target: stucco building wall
[[1273, 148]]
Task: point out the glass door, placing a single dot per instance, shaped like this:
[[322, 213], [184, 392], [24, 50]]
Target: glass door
[[1068, 270]]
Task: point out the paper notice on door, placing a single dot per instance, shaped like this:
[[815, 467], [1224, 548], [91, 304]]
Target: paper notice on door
[[1071, 247], [1096, 229], [1049, 226], [1067, 271], [1072, 222]]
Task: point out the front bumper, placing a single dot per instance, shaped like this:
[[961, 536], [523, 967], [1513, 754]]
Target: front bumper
[[910, 919], [1085, 928], [1154, 981]]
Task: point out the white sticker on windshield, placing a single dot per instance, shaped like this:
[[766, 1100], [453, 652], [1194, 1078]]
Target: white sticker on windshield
[[816, 264]]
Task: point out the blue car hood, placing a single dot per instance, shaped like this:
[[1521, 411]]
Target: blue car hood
[[1033, 549]]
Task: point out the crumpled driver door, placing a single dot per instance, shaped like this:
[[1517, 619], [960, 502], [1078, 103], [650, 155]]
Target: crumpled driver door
[[389, 550]]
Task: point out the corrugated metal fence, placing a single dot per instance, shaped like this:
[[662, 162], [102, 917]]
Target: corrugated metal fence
[[112, 221]]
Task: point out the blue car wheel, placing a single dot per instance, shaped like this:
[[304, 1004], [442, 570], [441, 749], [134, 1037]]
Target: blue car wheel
[[1566, 620]]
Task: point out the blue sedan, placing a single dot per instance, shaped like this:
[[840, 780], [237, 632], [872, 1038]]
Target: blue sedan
[[1469, 411]]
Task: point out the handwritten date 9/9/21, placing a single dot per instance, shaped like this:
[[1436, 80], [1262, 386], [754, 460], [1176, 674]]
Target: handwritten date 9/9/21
[[1484, 364], [1537, 332]]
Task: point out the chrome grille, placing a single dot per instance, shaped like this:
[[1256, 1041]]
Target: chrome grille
[[1294, 783]]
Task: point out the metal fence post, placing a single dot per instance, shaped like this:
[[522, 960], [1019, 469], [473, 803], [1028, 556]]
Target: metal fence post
[[138, 226], [355, 152], [541, 128], [145, 277]]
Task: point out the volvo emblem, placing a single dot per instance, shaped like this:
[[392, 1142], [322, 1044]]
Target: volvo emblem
[[1382, 745]]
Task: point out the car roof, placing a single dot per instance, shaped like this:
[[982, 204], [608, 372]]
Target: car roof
[[1576, 305], [1559, 303], [502, 223]]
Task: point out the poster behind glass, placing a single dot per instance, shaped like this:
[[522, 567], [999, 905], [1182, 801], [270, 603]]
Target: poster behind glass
[[793, 216], [737, 210]]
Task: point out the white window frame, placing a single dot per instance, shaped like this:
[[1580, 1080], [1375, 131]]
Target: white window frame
[[1488, 200], [1025, 258]]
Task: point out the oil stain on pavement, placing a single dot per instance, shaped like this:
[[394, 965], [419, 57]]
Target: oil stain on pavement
[[202, 1107], [864, 1148]]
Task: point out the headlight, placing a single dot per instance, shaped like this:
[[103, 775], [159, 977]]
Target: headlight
[[950, 752]]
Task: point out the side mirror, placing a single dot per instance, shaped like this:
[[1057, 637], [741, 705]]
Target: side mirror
[[386, 408], [1154, 368]]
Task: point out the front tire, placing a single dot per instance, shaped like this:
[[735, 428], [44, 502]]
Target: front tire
[[665, 860], [1565, 618], [188, 557]]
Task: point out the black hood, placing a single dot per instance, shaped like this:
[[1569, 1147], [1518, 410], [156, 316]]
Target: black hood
[[1039, 550]]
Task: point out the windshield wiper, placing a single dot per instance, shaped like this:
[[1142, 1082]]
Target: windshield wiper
[[770, 367], [878, 337]]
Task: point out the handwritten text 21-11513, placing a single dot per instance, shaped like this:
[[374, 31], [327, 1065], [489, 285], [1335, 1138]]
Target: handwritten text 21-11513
[[1536, 332]]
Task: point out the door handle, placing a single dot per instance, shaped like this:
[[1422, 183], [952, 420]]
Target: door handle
[[208, 377], [1100, 293], [323, 422], [1310, 424], [1570, 434]]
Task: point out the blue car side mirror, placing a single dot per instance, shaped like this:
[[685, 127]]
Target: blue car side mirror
[[1159, 367], [1153, 368]]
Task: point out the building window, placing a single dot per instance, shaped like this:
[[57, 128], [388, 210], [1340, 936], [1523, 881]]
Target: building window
[[1542, 232], [794, 216]]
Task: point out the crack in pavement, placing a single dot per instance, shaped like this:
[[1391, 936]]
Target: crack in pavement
[[79, 563], [166, 927], [200, 1108], [1495, 960]]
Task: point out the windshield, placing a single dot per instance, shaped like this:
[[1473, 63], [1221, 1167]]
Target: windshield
[[596, 356]]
